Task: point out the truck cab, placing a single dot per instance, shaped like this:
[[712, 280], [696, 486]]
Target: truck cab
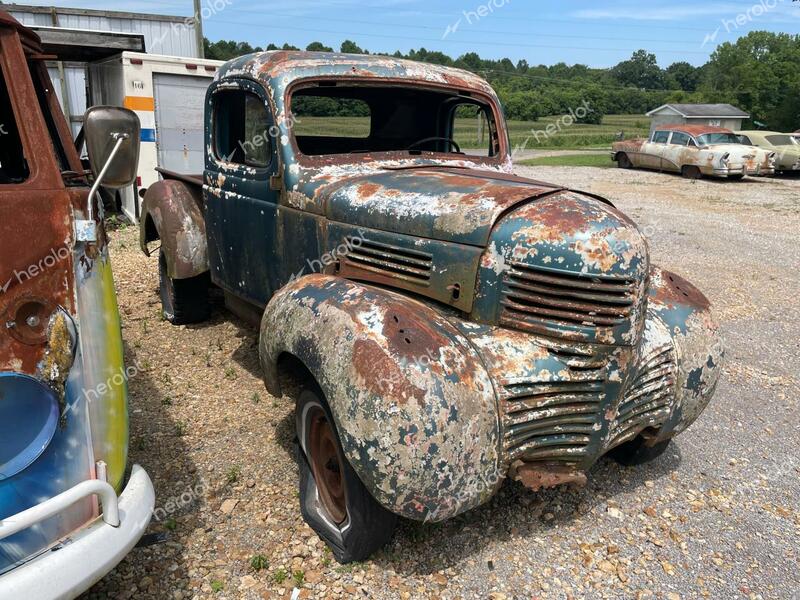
[[70, 506], [451, 325]]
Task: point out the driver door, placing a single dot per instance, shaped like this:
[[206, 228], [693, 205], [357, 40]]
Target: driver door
[[241, 206]]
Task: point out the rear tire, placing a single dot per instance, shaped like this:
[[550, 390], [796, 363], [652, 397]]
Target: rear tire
[[623, 161], [183, 301], [637, 452], [339, 508], [691, 172]]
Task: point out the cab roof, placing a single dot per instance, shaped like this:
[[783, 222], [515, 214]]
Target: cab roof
[[693, 130], [281, 68]]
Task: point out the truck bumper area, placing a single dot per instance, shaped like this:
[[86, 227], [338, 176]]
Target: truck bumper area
[[85, 557]]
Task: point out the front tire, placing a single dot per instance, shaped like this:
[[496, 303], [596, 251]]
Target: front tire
[[333, 500], [691, 172], [183, 301], [636, 452]]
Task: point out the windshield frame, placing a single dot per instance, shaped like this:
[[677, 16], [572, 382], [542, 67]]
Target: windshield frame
[[394, 156]]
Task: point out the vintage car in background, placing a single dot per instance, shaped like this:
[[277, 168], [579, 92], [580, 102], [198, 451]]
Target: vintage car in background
[[694, 151], [785, 146], [70, 509], [449, 323]]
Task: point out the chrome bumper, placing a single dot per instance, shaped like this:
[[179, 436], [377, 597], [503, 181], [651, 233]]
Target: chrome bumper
[[88, 554]]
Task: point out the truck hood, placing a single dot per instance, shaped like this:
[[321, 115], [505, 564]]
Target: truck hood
[[437, 203]]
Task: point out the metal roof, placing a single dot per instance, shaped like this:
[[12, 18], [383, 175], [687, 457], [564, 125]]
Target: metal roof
[[703, 111], [693, 129], [280, 68], [163, 34]]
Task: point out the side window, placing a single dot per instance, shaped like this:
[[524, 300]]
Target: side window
[[745, 140], [462, 128], [661, 137], [679, 139], [241, 129], [13, 166]]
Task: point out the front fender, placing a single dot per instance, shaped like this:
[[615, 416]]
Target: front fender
[[687, 315], [171, 212], [415, 408]]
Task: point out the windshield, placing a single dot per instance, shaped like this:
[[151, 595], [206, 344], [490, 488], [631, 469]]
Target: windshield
[[781, 140], [718, 138], [331, 118]]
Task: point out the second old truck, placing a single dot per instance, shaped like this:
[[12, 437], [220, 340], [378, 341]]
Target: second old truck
[[452, 325]]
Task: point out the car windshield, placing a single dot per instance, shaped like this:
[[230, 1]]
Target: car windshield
[[718, 138], [330, 118], [781, 140]]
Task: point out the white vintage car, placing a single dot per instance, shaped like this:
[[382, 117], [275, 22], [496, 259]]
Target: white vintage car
[[694, 151], [786, 147]]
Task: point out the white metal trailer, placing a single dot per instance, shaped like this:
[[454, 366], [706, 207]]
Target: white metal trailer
[[168, 94]]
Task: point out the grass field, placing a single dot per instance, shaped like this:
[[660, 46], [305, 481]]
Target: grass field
[[602, 161], [521, 132]]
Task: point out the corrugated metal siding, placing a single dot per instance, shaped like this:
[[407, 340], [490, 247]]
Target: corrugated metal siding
[[75, 75], [160, 37]]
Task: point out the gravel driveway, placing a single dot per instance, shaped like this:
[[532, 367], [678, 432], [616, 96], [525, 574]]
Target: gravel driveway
[[717, 516]]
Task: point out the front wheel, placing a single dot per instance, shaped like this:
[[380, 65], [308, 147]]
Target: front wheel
[[623, 161], [638, 452], [333, 500], [691, 172], [183, 301]]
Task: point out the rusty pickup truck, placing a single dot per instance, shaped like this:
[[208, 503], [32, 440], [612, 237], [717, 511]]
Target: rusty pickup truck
[[451, 325], [694, 151], [71, 507]]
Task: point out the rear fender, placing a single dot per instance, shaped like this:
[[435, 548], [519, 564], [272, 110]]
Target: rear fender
[[172, 213], [414, 406]]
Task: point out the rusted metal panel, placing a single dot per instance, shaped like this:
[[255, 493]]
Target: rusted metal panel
[[172, 212], [406, 389], [567, 266]]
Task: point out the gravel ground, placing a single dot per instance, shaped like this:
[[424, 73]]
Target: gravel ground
[[717, 516]]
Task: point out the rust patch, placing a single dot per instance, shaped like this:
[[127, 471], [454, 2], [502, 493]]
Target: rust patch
[[536, 477], [381, 374]]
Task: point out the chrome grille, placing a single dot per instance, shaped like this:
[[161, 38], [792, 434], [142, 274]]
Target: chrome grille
[[410, 265], [532, 297], [648, 401]]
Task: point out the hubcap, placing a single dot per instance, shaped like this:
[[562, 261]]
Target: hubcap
[[326, 467]]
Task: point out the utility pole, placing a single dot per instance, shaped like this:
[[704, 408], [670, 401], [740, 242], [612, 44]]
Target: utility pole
[[198, 29]]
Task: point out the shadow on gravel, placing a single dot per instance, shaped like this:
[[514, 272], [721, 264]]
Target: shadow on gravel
[[157, 443], [515, 512]]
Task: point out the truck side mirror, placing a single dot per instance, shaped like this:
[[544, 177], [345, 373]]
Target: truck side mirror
[[112, 137]]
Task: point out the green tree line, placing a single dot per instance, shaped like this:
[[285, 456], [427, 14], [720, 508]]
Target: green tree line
[[759, 73]]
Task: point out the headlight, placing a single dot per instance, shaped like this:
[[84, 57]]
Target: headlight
[[29, 416]]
